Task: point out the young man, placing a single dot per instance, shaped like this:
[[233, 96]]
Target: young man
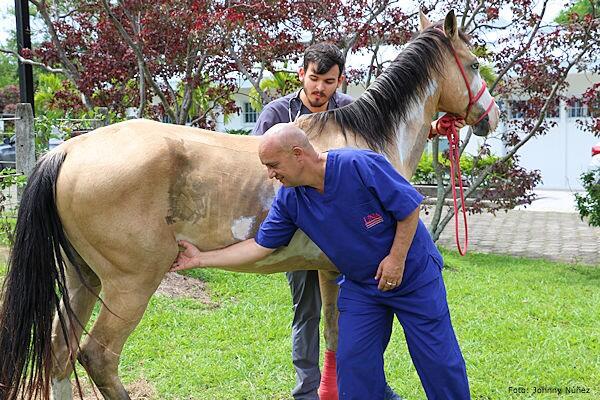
[[365, 217], [321, 75]]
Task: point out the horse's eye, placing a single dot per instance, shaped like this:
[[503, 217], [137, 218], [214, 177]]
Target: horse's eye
[[475, 66]]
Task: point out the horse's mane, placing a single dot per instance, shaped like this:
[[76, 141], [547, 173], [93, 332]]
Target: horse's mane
[[375, 115]]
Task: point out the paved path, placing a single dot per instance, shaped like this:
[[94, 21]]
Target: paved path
[[550, 235]]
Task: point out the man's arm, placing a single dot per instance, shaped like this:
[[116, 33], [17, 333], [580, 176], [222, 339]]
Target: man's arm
[[391, 269], [240, 253]]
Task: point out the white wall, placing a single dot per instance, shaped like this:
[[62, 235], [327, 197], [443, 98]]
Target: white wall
[[561, 155]]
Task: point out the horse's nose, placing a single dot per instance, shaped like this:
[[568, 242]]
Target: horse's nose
[[483, 127]]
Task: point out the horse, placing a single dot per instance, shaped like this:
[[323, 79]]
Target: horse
[[103, 212]]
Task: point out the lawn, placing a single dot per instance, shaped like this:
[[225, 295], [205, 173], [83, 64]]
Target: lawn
[[522, 324]]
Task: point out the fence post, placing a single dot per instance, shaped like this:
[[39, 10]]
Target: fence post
[[25, 140]]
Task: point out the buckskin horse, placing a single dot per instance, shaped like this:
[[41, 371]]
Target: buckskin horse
[[103, 212]]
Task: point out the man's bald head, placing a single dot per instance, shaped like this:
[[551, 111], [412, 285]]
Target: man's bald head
[[284, 137], [288, 155]]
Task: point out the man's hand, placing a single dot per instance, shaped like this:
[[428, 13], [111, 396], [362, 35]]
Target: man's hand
[[459, 124], [241, 253], [389, 274], [190, 257]]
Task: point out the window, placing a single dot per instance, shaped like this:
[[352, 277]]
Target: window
[[250, 114], [531, 109], [577, 110]]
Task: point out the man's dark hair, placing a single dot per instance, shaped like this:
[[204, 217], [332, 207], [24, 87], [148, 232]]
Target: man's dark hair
[[324, 56]]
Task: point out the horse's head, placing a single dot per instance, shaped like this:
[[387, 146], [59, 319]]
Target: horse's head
[[462, 90]]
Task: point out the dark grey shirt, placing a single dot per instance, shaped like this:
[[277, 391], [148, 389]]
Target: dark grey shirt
[[288, 108]]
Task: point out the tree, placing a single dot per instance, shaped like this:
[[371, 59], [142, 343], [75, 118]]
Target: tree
[[8, 71], [9, 97], [185, 52], [581, 8], [531, 62]]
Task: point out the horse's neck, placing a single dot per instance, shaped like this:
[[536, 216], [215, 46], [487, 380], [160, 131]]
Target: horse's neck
[[412, 134]]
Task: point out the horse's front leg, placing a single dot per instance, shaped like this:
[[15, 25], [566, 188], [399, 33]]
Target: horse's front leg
[[329, 294]]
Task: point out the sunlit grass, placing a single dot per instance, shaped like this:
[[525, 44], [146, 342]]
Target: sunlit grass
[[521, 323]]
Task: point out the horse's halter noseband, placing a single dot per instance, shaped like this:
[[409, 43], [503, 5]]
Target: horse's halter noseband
[[472, 99], [446, 126]]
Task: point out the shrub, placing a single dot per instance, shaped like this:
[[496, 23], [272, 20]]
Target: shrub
[[588, 203]]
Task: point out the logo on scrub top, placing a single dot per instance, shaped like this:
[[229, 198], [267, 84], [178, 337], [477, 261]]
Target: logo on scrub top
[[372, 219]]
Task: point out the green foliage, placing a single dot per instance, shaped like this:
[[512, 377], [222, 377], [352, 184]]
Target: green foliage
[[9, 181], [8, 70], [470, 167], [45, 91], [581, 8], [280, 84], [588, 204], [55, 123], [240, 131]]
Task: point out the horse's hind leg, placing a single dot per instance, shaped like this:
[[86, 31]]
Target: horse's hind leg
[[82, 300], [329, 292], [126, 299]]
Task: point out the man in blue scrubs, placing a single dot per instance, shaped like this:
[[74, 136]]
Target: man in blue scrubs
[[365, 217], [322, 73]]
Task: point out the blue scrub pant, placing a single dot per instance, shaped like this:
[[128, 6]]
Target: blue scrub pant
[[364, 323]]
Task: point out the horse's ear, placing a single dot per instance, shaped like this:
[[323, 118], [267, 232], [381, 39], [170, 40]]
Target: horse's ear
[[451, 26], [424, 22]]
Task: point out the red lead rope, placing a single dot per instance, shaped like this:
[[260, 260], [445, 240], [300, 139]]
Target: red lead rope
[[445, 126]]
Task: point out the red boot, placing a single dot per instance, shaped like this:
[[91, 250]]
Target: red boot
[[328, 387]]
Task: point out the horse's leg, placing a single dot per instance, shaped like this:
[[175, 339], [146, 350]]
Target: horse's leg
[[329, 292], [82, 300], [126, 298]]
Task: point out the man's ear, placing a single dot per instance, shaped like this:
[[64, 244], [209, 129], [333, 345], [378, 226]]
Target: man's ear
[[297, 151], [301, 73], [341, 80]]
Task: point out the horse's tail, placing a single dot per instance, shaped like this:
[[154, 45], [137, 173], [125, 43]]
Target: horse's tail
[[34, 284]]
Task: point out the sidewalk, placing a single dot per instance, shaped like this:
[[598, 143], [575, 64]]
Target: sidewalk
[[550, 228]]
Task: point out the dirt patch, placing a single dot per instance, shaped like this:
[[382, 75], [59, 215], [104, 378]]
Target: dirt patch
[[179, 286], [138, 390]]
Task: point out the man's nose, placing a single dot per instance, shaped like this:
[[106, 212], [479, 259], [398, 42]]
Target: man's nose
[[271, 173]]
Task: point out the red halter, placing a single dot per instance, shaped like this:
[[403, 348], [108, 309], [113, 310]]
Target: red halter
[[446, 126]]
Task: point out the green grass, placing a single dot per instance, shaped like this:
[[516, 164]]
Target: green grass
[[520, 323]]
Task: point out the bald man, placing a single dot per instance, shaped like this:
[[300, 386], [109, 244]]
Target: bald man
[[365, 217]]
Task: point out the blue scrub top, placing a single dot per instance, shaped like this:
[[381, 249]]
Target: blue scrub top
[[354, 220]]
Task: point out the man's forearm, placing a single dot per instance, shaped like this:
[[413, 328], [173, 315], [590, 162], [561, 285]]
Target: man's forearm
[[246, 252], [405, 232], [241, 253]]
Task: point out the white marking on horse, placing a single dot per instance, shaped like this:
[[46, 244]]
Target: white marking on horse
[[486, 98], [414, 119], [241, 227]]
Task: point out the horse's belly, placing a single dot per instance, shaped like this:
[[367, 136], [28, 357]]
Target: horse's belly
[[300, 254]]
